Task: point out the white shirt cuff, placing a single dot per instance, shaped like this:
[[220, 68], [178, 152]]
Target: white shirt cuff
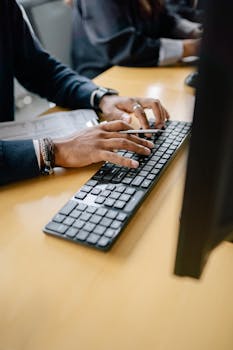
[[171, 51], [37, 151]]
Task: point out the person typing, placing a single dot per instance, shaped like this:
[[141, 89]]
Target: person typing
[[22, 57]]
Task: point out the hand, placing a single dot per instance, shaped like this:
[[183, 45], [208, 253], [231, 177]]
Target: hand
[[191, 47], [69, 2], [99, 143], [197, 32], [117, 107]]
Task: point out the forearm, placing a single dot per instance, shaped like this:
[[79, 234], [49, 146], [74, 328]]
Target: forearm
[[52, 80], [172, 50]]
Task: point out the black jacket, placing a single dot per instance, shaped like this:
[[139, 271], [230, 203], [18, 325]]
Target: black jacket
[[21, 56], [112, 32]]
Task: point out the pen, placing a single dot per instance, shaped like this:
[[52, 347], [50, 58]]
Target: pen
[[141, 131]]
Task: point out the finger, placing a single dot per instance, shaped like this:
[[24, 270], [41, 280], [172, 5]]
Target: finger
[[115, 125], [118, 114], [124, 144], [160, 113], [119, 160], [131, 137], [160, 122], [139, 140], [141, 115]]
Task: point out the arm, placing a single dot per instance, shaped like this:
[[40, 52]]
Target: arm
[[42, 74], [18, 159]]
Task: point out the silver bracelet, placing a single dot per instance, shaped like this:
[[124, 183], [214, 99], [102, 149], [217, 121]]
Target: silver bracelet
[[47, 153]]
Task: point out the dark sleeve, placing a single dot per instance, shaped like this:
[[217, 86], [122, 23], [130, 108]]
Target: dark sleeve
[[17, 161], [186, 10], [109, 26], [40, 73]]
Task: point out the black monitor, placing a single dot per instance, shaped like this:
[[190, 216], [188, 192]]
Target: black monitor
[[207, 212]]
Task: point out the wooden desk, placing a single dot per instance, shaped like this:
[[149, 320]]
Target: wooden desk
[[59, 295]]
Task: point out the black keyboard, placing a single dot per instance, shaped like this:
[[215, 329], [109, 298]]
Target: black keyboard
[[99, 211]]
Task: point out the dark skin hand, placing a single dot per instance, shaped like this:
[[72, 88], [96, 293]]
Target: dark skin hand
[[120, 107], [99, 143]]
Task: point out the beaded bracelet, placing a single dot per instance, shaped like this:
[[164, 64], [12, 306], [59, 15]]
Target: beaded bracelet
[[47, 155]]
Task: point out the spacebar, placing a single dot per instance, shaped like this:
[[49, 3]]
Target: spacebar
[[134, 201]]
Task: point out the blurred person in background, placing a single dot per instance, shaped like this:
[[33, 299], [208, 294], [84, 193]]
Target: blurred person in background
[[133, 33]]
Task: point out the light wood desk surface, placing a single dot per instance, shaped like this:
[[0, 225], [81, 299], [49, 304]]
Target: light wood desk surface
[[59, 295]]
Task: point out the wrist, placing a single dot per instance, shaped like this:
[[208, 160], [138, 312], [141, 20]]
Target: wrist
[[58, 153], [187, 48], [97, 96]]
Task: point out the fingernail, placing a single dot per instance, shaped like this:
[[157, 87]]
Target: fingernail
[[150, 144], [149, 136], [148, 151], [126, 117], [160, 126], [134, 163]]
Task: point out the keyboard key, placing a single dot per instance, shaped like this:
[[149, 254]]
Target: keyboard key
[[93, 238], [68, 221], [56, 227], [115, 195], [101, 211], [68, 207], [82, 235], [59, 217], [89, 227], [78, 224], [109, 233], [146, 183], [71, 232], [109, 202], [85, 216], [119, 204], [100, 200], [111, 214], [99, 230], [95, 219], [121, 216], [103, 241], [75, 213], [91, 209], [81, 206], [96, 191], [106, 222], [137, 181], [116, 224]]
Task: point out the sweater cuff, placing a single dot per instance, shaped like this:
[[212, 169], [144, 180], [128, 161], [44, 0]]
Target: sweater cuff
[[18, 161]]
